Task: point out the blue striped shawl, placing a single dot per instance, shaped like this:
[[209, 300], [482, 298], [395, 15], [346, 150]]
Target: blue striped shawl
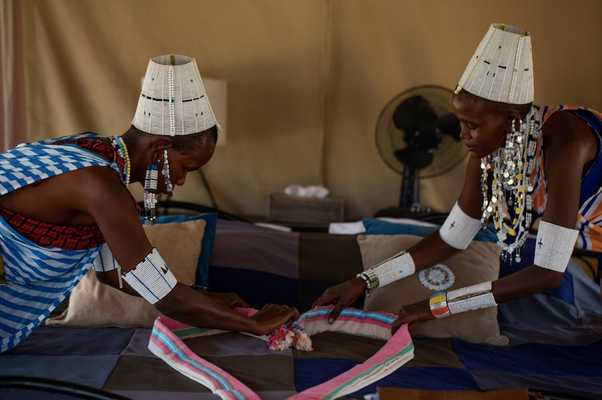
[[38, 278]]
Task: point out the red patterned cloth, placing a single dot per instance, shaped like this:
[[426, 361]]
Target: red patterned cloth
[[64, 236], [48, 235]]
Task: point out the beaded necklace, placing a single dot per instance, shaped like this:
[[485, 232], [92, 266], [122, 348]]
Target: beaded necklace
[[508, 202], [122, 150]]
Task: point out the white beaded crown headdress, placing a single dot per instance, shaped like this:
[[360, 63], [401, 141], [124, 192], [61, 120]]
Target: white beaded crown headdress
[[173, 100], [502, 67]]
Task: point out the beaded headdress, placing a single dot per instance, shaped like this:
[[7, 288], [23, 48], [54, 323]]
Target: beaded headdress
[[501, 68], [173, 100]]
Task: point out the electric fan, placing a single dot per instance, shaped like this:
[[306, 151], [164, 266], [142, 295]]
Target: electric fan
[[418, 136]]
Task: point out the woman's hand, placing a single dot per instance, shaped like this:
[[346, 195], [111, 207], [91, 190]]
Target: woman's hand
[[412, 313], [340, 296], [271, 317]]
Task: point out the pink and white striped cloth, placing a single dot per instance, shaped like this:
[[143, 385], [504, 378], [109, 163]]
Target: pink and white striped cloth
[[167, 343]]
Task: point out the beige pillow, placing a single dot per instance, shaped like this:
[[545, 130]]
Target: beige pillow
[[479, 263], [94, 304]]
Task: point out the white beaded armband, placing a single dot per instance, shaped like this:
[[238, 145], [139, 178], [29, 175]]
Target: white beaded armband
[[397, 267], [554, 246], [105, 261], [151, 278], [470, 298], [459, 228]]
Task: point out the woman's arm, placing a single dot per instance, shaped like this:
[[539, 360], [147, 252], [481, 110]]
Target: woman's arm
[[424, 254], [103, 196], [569, 146]]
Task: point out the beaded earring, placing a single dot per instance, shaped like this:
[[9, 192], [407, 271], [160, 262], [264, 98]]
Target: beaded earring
[[166, 173], [150, 193], [512, 153]]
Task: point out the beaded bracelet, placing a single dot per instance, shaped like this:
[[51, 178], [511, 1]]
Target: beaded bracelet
[[438, 305]]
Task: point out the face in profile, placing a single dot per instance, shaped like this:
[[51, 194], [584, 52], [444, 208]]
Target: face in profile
[[188, 154], [484, 123]]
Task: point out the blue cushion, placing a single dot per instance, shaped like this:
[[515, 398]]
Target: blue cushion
[[202, 273], [379, 227]]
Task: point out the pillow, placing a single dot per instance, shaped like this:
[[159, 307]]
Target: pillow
[[388, 226], [207, 242], [94, 304], [376, 226], [479, 263]]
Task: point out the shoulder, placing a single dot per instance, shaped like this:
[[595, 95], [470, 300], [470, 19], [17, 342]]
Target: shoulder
[[68, 139], [98, 184], [566, 133]]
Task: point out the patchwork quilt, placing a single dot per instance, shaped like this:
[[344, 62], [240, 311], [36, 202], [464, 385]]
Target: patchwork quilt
[[292, 269], [118, 360]]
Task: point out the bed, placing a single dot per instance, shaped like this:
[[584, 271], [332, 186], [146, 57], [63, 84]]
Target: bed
[[244, 260]]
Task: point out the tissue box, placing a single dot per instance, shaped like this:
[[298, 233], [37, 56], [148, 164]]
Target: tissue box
[[285, 208]]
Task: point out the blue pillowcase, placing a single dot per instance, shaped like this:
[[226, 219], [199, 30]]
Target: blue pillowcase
[[379, 227], [202, 273]]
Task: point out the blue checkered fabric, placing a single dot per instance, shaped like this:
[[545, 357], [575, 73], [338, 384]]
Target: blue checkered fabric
[[31, 163], [38, 278]]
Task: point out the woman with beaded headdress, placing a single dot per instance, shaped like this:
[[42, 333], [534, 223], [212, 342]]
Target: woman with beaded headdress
[[65, 207], [526, 163]]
